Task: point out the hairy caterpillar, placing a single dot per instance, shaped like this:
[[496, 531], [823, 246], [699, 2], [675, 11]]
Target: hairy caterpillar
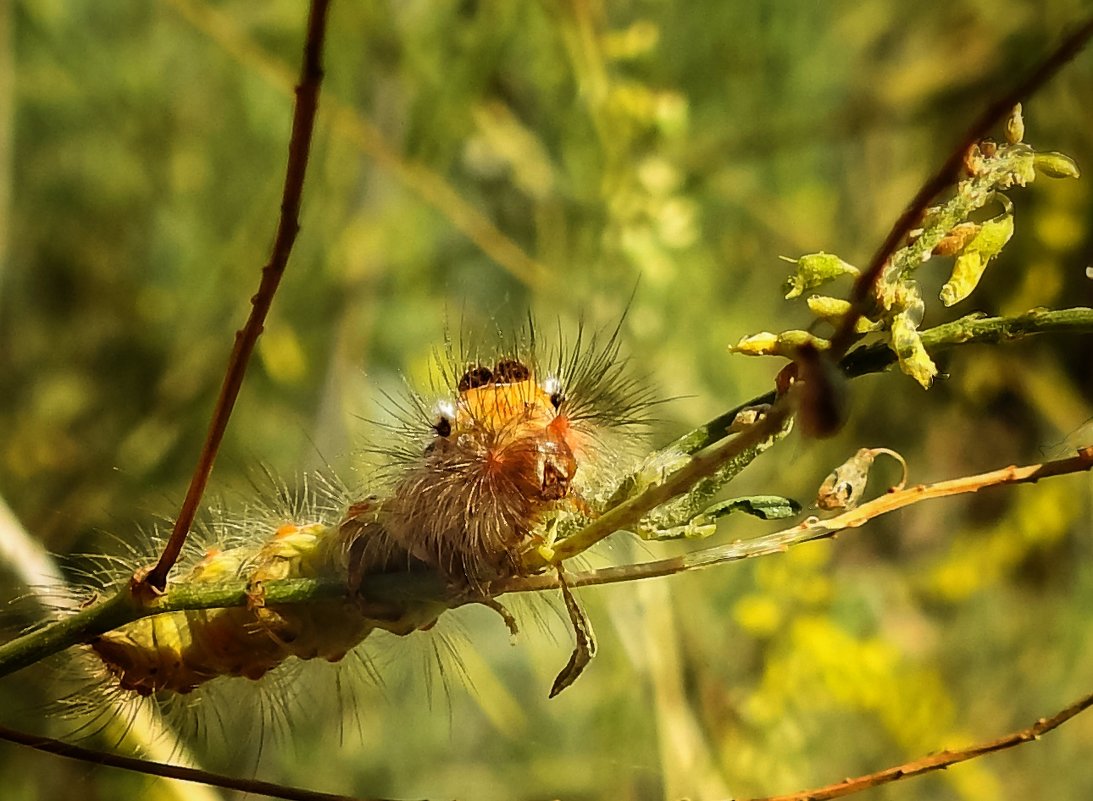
[[515, 442]]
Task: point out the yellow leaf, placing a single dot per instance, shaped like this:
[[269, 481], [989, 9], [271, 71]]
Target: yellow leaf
[[970, 264]]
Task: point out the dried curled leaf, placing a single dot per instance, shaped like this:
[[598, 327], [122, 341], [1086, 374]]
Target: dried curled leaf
[[816, 269], [584, 647], [845, 485], [973, 259]]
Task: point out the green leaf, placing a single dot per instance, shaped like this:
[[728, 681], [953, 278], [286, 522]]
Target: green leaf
[[765, 507], [830, 309]]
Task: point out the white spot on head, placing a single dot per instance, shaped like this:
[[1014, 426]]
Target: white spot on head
[[445, 409], [552, 385]]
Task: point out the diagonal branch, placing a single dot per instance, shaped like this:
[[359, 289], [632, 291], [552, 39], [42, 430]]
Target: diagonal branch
[[162, 769], [861, 294], [303, 123], [811, 529], [938, 761]]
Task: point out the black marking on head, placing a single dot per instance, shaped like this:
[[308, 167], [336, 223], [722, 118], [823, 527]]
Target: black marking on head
[[475, 377], [510, 371], [443, 427]]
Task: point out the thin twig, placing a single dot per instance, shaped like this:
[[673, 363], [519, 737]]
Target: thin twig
[[162, 769], [938, 761], [303, 123], [811, 529], [947, 173]]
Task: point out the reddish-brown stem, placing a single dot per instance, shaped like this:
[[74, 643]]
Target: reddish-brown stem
[[947, 173], [938, 761], [303, 123]]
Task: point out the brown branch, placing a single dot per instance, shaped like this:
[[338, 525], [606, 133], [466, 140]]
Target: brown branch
[[164, 770], [947, 173], [811, 529], [938, 761], [303, 123]]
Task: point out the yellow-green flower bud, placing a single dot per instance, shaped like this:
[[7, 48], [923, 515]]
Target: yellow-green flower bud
[[1015, 126], [1056, 165]]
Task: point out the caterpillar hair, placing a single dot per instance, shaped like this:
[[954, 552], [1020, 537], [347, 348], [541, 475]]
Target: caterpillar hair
[[514, 437], [510, 442]]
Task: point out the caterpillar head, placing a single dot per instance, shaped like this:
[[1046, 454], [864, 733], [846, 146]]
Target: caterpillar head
[[511, 442]]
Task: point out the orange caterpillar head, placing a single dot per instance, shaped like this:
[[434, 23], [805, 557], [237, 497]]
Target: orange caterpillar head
[[512, 441], [516, 425]]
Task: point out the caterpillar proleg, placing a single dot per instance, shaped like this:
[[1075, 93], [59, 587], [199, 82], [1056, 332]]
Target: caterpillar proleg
[[510, 446]]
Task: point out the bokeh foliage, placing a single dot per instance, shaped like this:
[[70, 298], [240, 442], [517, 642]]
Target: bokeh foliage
[[675, 148]]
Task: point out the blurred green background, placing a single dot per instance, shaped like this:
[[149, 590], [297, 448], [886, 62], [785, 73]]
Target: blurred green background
[[472, 161]]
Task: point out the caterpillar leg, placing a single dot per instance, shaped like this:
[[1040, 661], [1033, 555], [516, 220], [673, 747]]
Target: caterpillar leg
[[506, 615], [585, 640]]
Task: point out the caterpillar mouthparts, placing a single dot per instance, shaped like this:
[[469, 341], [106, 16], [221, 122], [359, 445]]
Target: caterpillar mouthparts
[[472, 481]]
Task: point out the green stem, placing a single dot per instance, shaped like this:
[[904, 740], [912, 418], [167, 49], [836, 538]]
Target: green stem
[[123, 607], [698, 467], [866, 359], [975, 329], [23, 651]]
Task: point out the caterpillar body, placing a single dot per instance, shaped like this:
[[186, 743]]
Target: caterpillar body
[[472, 478], [179, 651]]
